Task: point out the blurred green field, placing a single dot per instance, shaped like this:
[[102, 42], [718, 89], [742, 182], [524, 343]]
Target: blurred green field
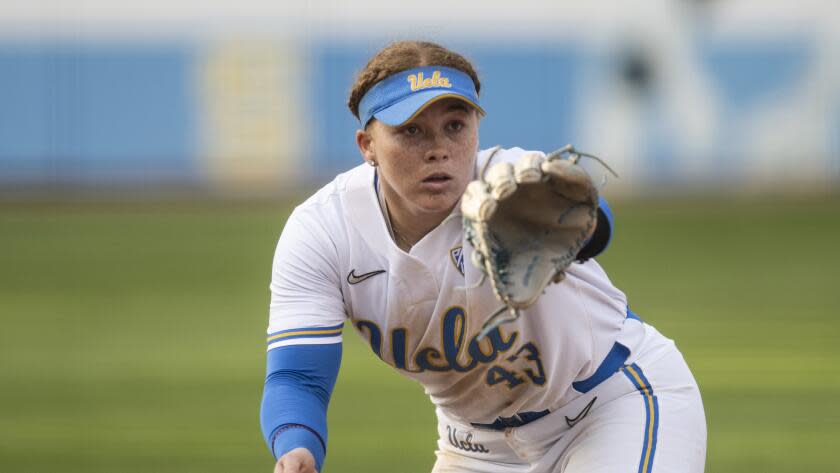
[[132, 336]]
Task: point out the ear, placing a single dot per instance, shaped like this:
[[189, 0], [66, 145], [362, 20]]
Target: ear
[[364, 141]]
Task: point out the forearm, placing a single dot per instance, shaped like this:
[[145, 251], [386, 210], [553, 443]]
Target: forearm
[[297, 390]]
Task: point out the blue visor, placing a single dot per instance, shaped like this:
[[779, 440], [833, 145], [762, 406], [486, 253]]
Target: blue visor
[[402, 96]]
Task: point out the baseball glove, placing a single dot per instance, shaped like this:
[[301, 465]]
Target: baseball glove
[[527, 222]]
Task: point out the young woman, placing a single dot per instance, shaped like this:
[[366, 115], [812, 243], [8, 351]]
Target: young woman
[[577, 384]]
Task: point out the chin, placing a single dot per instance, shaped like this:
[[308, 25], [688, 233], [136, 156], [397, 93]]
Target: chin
[[438, 203]]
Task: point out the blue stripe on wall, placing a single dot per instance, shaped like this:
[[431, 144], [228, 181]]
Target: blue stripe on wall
[[81, 112], [101, 113]]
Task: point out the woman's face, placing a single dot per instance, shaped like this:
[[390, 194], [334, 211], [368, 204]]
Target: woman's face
[[426, 163]]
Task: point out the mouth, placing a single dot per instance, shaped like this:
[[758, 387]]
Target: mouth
[[438, 177]]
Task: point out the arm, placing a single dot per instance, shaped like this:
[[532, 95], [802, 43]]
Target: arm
[[603, 233], [306, 315], [293, 415]]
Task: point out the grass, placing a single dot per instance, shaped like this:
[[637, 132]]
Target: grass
[[132, 336]]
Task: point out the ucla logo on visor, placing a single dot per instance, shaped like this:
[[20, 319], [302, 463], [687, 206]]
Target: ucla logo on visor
[[398, 98], [418, 82]]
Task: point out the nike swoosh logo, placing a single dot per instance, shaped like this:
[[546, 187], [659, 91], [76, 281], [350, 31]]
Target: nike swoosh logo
[[582, 414], [354, 278]]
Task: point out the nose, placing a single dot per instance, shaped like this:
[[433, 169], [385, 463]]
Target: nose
[[437, 151]]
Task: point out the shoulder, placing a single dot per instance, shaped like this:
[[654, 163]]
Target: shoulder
[[324, 226], [593, 274]]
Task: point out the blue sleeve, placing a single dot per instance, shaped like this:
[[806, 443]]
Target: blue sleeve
[[298, 386], [603, 233]]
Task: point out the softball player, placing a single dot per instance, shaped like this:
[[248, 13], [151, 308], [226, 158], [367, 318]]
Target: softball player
[[577, 384]]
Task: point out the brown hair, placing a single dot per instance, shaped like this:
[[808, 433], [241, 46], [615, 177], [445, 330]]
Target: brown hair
[[402, 55]]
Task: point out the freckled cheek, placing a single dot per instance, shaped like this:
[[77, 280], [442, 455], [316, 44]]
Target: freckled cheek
[[466, 155], [400, 174]]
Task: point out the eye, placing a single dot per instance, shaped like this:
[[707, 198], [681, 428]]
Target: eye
[[411, 130], [456, 125]]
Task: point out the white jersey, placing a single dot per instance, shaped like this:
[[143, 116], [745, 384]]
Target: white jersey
[[337, 261]]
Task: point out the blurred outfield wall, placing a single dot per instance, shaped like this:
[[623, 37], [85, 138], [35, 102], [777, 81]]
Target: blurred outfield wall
[[679, 93]]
